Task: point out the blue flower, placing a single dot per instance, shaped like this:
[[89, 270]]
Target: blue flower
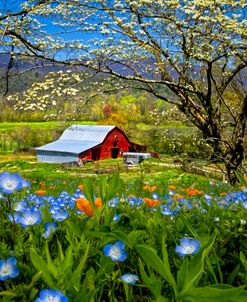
[[155, 196], [115, 251], [8, 269], [129, 278], [50, 227], [60, 215], [166, 211], [244, 204], [13, 217], [116, 217], [20, 206], [113, 203], [49, 295], [187, 247], [25, 183], [10, 182], [29, 217]]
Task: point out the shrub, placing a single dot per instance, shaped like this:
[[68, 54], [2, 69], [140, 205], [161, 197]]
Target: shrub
[[180, 141]]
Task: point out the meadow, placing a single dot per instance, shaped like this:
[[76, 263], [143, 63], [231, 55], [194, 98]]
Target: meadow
[[167, 236], [104, 232]]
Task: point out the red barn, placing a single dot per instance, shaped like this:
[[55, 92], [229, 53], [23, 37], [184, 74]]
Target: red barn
[[87, 142]]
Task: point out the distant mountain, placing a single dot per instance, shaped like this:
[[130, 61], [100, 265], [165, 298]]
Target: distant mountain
[[20, 64], [39, 68]]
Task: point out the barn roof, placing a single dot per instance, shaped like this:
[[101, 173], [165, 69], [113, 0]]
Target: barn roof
[[68, 146], [78, 138], [91, 133]]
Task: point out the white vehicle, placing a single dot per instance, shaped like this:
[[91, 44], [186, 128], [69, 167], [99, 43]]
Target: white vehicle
[[134, 158]]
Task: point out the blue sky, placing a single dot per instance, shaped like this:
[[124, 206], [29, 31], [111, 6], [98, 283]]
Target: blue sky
[[14, 5]]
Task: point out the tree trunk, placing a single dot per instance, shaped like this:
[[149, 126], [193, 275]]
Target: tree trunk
[[233, 161], [234, 158]]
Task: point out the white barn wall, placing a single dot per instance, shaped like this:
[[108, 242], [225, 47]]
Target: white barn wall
[[51, 158]]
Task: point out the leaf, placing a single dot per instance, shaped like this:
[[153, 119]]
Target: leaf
[[129, 239], [106, 267], [60, 251], [103, 189], [182, 274], [152, 283], [123, 237], [74, 228], [212, 294], [89, 279], [135, 235], [240, 178], [243, 260], [150, 257], [211, 270], [190, 228], [165, 257], [196, 266], [233, 274], [67, 263], [109, 186], [76, 275], [162, 299], [50, 265], [7, 294], [114, 185], [88, 190], [41, 266]]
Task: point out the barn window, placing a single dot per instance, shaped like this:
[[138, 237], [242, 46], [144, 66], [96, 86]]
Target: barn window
[[115, 144]]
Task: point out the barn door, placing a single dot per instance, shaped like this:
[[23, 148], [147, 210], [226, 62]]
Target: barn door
[[96, 153], [114, 152]]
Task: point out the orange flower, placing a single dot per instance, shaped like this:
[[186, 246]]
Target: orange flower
[[150, 189], [222, 194], [245, 178], [172, 188], [199, 192], [84, 206], [191, 192], [153, 188], [42, 184], [51, 187], [151, 202], [64, 182], [80, 187], [40, 192], [98, 203]]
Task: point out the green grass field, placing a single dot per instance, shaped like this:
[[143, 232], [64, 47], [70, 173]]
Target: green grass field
[[10, 126]]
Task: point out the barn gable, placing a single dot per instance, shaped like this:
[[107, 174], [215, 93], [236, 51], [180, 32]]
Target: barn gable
[[86, 142]]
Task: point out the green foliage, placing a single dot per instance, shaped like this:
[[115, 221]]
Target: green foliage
[[72, 259], [214, 294], [185, 142]]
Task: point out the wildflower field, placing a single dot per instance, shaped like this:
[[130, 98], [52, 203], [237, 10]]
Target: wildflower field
[[115, 239]]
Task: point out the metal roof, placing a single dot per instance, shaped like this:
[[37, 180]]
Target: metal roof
[[91, 133], [78, 138], [68, 146]]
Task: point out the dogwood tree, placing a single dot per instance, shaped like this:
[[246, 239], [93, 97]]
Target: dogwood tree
[[198, 49]]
